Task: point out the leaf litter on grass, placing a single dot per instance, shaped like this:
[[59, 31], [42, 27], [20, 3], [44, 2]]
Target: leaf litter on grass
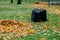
[[52, 8], [13, 27]]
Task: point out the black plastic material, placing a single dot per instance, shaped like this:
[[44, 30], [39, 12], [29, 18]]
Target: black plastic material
[[39, 15]]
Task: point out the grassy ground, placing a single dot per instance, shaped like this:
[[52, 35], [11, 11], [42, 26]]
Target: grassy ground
[[49, 30]]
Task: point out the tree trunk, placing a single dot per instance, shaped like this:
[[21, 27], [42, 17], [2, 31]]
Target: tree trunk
[[48, 2], [19, 2], [11, 1]]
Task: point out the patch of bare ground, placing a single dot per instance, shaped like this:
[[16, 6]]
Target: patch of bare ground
[[53, 8]]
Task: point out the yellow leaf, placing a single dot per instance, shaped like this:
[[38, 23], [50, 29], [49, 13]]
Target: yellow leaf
[[5, 39], [31, 31], [43, 39]]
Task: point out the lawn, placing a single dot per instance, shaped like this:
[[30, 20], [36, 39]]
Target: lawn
[[49, 30]]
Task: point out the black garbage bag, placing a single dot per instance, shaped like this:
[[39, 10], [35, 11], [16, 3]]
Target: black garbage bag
[[43, 14], [38, 15]]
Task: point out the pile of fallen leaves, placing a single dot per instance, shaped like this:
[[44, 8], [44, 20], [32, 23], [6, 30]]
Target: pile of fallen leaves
[[13, 27]]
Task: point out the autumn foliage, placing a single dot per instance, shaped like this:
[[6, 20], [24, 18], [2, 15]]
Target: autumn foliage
[[11, 26]]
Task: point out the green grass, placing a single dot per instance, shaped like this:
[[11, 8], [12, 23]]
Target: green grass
[[13, 11]]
